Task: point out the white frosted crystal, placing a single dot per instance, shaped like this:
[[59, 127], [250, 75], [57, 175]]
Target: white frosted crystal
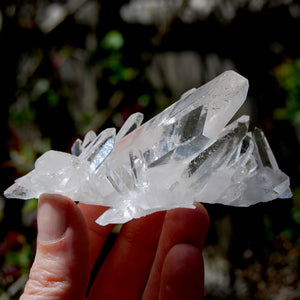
[[186, 153]]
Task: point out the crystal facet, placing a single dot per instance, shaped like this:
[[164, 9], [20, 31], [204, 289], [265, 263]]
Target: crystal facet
[[186, 153]]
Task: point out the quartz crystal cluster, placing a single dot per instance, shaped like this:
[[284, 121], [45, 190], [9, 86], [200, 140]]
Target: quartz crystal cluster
[[186, 153]]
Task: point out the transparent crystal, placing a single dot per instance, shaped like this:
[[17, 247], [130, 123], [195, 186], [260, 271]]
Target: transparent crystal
[[186, 153]]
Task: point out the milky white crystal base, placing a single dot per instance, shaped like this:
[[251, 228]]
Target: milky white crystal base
[[186, 153]]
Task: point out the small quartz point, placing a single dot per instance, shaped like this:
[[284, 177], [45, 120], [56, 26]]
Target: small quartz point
[[186, 153]]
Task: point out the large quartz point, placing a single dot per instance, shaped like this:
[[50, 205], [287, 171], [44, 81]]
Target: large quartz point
[[186, 153]]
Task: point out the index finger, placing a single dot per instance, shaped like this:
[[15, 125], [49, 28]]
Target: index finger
[[181, 226], [97, 234]]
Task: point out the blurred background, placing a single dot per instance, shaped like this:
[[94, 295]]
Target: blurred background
[[70, 66]]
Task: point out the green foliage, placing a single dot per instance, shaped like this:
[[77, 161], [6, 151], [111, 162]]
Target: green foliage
[[113, 60], [19, 115], [20, 258], [287, 234], [118, 71], [29, 206], [24, 110], [41, 86], [295, 212], [288, 76], [87, 117], [52, 98], [113, 40], [144, 100]]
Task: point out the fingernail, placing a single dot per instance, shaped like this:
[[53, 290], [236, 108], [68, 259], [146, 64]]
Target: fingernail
[[52, 217]]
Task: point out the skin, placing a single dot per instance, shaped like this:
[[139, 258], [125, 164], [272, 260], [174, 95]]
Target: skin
[[155, 257]]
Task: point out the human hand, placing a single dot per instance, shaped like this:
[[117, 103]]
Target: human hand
[[69, 242]]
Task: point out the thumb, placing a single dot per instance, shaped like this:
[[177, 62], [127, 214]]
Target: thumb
[[61, 266]]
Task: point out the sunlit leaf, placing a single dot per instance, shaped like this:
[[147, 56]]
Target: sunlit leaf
[[113, 40]]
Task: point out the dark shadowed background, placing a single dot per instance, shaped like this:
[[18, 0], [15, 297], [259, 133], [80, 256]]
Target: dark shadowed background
[[70, 66]]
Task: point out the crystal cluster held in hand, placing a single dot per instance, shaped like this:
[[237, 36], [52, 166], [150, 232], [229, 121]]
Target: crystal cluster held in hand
[[186, 153]]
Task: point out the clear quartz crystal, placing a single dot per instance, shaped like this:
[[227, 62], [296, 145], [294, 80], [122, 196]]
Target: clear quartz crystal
[[184, 154]]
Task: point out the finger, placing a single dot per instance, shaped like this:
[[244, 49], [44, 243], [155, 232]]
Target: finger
[[126, 269], [61, 266], [181, 225], [182, 274], [97, 234]]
